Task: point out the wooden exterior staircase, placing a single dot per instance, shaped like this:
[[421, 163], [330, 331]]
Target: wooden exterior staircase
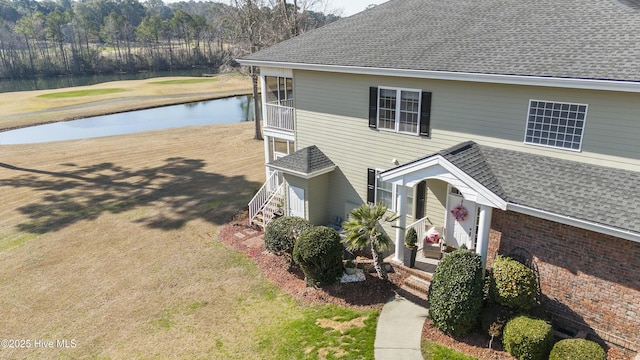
[[268, 203]]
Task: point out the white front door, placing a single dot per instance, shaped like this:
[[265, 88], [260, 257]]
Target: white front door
[[296, 201], [460, 231]]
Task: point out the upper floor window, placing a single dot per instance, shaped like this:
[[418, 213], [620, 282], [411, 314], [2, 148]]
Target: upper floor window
[[556, 124], [400, 110], [279, 90]]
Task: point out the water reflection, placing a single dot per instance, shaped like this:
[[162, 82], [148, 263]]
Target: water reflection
[[220, 111]]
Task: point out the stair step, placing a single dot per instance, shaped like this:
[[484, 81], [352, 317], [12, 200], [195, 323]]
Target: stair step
[[418, 284]]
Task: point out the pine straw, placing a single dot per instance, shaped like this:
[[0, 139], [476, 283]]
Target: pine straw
[[372, 293]]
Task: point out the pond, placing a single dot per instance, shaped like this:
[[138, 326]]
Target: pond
[[219, 111], [43, 83]]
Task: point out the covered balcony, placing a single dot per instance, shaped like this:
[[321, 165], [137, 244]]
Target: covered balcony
[[278, 104], [279, 115]]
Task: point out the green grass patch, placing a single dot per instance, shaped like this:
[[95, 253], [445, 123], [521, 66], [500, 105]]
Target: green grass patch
[[79, 93], [15, 241], [183, 81], [324, 332], [433, 351]]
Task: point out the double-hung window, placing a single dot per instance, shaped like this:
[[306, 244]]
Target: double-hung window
[[378, 191], [399, 110], [382, 192], [556, 124]]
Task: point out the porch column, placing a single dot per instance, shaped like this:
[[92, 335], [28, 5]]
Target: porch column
[[484, 227], [267, 139], [267, 154], [401, 201]]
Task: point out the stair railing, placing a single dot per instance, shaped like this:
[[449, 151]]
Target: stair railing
[[261, 198]]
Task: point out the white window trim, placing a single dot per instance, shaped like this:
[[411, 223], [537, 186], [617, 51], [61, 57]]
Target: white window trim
[[393, 192], [398, 103], [584, 125]]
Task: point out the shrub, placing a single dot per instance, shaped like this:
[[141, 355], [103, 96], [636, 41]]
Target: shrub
[[411, 238], [281, 234], [318, 251], [455, 293], [512, 284], [583, 349], [527, 338], [494, 318]]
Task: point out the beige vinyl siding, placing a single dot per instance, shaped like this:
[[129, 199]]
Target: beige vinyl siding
[[436, 200], [332, 113], [315, 196], [317, 199]]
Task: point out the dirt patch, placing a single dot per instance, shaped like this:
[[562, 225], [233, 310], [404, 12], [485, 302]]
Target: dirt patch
[[341, 326]]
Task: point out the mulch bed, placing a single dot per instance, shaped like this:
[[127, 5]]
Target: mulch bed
[[372, 293]]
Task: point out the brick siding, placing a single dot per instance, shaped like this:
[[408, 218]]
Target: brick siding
[[589, 281]]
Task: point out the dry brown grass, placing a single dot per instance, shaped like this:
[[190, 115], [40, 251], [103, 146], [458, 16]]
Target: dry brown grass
[[111, 242], [18, 109]]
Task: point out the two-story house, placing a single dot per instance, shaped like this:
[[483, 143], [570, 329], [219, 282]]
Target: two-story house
[[511, 125]]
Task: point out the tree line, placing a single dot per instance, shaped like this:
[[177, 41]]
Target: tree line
[[64, 37]]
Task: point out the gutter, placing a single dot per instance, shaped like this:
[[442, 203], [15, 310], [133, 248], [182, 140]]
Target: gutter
[[572, 83], [582, 224]]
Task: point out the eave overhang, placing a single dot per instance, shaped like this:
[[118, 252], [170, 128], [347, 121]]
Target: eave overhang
[[437, 167], [571, 83], [302, 174]]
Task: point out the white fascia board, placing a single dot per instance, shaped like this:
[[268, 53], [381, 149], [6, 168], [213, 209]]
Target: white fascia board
[[571, 83], [301, 174], [398, 175], [582, 224], [277, 133]]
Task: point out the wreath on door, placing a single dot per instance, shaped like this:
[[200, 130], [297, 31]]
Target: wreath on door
[[459, 213]]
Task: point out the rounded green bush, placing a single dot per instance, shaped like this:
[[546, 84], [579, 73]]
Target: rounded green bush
[[527, 338], [455, 293], [512, 284], [318, 251], [281, 234], [570, 349]]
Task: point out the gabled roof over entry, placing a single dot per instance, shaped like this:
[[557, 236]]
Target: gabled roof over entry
[[534, 184], [306, 163]]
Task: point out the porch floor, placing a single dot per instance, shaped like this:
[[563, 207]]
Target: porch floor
[[423, 264], [427, 265]]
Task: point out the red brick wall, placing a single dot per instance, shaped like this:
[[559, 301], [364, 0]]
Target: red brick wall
[[588, 280]]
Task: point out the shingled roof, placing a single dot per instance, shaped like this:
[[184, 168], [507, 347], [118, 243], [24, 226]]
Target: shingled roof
[[581, 39], [307, 162], [582, 191]]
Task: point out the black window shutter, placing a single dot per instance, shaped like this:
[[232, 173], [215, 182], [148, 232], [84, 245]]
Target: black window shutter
[[425, 114], [371, 186], [373, 107]]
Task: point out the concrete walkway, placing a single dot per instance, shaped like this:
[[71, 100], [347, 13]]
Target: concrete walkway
[[399, 330]]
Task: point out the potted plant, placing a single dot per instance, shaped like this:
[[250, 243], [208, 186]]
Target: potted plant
[[410, 251], [350, 267]]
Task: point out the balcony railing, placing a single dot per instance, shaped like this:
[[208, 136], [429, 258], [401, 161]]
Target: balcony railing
[[279, 115]]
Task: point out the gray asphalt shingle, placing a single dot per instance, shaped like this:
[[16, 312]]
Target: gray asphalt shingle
[[583, 191], [585, 39], [305, 161]]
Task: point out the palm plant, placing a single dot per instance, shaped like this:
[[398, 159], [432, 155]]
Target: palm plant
[[362, 231]]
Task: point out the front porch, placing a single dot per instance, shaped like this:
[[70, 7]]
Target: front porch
[[444, 198]]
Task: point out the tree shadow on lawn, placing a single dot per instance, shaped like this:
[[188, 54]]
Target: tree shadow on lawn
[[179, 189]]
